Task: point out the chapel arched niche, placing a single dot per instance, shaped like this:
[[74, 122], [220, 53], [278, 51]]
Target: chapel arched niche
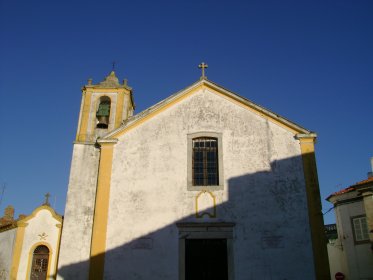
[[40, 262]]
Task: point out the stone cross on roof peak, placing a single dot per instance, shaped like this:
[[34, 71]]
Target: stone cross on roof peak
[[203, 66]]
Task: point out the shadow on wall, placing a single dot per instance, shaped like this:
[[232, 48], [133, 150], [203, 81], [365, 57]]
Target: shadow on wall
[[268, 216]]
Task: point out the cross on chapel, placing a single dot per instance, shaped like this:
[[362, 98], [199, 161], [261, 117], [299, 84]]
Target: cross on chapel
[[203, 66], [47, 195]]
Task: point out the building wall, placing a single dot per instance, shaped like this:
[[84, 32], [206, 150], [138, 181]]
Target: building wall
[[78, 218], [359, 259], [264, 193], [337, 258], [6, 252]]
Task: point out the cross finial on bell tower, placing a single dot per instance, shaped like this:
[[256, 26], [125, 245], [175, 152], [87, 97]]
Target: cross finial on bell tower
[[113, 66], [203, 66]]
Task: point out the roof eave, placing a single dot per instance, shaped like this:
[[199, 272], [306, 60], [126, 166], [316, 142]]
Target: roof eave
[[299, 130]]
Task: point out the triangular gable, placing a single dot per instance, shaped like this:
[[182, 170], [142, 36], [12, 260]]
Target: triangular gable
[[217, 89]]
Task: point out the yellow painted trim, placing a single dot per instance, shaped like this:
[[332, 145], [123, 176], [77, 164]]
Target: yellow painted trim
[[188, 92], [31, 256], [59, 226], [119, 110], [98, 243], [43, 207], [85, 123], [206, 213], [105, 90], [320, 254], [17, 251], [154, 113], [253, 110], [82, 135]]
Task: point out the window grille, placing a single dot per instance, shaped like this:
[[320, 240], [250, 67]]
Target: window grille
[[205, 161], [40, 263]]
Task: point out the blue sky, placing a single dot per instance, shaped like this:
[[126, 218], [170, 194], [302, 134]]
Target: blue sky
[[309, 61]]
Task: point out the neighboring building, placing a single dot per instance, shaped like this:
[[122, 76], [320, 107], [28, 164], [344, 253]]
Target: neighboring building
[[29, 245], [204, 184], [352, 252]]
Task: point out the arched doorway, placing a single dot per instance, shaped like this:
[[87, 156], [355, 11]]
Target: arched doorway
[[40, 260]]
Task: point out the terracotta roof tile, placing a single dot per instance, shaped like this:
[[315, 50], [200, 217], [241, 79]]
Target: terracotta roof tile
[[346, 190], [353, 187], [363, 182]]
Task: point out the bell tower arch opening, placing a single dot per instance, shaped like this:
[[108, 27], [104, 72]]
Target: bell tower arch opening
[[104, 107], [103, 112]]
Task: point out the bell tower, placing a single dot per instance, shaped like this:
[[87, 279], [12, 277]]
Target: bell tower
[[103, 108]]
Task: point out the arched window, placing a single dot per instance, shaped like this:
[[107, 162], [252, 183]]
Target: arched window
[[40, 260], [103, 112]]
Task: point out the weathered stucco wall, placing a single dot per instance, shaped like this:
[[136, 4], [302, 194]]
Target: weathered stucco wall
[[264, 193], [337, 260], [6, 252], [77, 227]]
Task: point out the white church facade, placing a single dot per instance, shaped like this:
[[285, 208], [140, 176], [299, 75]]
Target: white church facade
[[203, 185]]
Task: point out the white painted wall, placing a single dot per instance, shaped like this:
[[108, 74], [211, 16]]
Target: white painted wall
[[42, 222], [264, 194], [78, 218], [337, 260], [357, 260], [7, 239]]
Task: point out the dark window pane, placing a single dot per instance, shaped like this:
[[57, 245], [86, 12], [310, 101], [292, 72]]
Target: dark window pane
[[205, 161]]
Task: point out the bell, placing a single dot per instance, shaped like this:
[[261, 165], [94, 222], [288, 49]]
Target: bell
[[103, 121], [102, 115]]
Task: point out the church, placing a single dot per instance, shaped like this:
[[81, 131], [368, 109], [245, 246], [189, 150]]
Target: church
[[205, 184]]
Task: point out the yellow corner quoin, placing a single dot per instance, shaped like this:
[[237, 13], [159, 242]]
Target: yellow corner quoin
[[98, 243], [320, 255], [119, 109], [84, 117], [17, 249], [59, 226]]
